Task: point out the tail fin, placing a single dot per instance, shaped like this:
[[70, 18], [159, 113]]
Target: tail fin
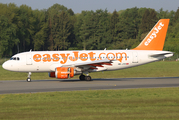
[[156, 37]]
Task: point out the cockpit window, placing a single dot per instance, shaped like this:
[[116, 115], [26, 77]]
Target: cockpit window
[[15, 58]]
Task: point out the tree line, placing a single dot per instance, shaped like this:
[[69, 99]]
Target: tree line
[[59, 28]]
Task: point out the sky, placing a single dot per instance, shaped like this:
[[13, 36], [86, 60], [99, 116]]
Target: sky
[[79, 5]]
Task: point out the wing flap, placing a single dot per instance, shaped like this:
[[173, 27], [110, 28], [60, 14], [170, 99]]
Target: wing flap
[[105, 61], [92, 65]]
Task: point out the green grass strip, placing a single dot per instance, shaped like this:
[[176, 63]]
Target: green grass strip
[[134, 104]]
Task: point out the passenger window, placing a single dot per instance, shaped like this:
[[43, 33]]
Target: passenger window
[[18, 58], [14, 58]]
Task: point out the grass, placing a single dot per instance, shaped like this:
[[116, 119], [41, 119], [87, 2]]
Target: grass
[[156, 69], [2, 60], [135, 104]]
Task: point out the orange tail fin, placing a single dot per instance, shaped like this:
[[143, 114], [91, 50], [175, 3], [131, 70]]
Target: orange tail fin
[[156, 37]]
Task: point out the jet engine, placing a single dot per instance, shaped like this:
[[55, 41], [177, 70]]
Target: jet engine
[[51, 74], [63, 73]]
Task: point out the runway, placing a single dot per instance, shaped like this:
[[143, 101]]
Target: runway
[[21, 86]]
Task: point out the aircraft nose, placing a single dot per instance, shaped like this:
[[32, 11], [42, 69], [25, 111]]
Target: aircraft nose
[[5, 65], [8, 65]]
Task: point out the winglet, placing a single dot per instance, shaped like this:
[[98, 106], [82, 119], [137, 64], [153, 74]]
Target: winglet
[[156, 37]]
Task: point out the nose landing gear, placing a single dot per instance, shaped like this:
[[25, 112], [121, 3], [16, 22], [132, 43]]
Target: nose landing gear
[[28, 77]]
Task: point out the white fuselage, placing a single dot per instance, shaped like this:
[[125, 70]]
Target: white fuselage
[[47, 61]]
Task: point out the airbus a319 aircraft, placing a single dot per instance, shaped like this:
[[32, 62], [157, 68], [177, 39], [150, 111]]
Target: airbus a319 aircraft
[[66, 64]]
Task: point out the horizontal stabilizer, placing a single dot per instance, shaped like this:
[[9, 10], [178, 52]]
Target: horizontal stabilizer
[[165, 54]]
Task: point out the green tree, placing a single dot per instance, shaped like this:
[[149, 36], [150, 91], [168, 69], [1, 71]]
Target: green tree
[[114, 20], [86, 28], [52, 19], [149, 19], [25, 31], [101, 33], [8, 18], [176, 17], [162, 14], [71, 37], [40, 30], [61, 31], [7, 36], [127, 28]]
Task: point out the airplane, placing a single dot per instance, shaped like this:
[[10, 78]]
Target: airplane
[[67, 64]]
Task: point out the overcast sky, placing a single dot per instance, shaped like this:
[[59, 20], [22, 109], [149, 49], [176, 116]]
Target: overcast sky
[[78, 5]]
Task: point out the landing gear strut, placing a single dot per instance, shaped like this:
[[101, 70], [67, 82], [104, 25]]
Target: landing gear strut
[[29, 79], [83, 77]]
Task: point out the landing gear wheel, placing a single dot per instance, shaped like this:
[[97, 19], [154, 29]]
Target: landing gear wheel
[[88, 78], [28, 79], [82, 77]]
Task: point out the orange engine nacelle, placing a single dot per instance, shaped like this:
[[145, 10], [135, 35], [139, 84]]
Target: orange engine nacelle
[[63, 73]]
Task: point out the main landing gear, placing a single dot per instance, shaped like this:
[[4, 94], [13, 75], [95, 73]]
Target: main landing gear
[[29, 79], [83, 77]]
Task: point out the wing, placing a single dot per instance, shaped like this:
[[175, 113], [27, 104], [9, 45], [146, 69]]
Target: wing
[[97, 65]]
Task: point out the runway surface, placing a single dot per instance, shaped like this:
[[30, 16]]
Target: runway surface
[[20, 86]]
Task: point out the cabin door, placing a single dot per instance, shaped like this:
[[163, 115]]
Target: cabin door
[[28, 59], [135, 57]]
